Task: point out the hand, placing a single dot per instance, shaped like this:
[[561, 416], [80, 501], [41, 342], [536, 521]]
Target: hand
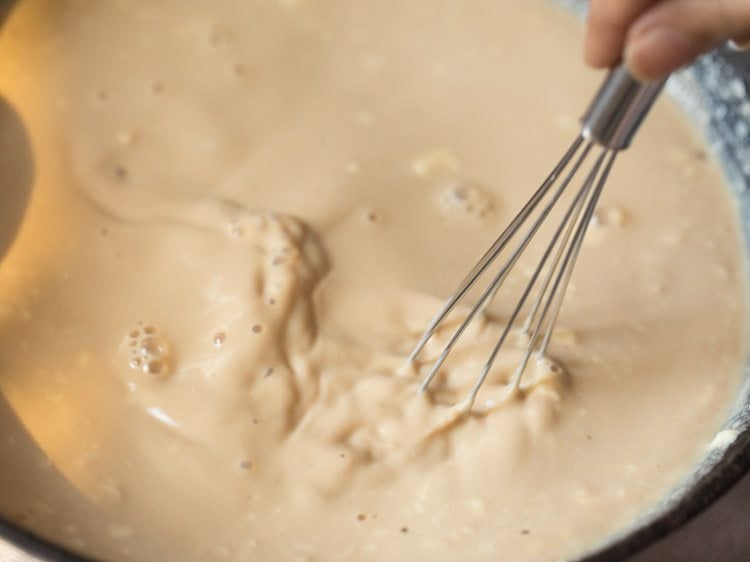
[[655, 37]]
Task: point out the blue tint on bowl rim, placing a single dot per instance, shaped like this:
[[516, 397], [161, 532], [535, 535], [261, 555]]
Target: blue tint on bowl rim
[[714, 94]]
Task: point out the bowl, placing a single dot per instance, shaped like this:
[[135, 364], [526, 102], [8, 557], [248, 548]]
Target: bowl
[[715, 93]]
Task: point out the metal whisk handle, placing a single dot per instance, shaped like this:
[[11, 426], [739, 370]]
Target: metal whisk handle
[[618, 109]]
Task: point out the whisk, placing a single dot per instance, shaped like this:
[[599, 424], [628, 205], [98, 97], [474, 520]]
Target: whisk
[[609, 124]]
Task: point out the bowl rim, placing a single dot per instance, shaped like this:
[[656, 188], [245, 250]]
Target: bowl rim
[[703, 91]]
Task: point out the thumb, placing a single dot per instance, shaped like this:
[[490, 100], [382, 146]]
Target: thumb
[[675, 32]]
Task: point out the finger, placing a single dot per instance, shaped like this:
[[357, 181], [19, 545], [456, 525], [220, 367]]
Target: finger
[[740, 42], [675, 32], [606, 28]]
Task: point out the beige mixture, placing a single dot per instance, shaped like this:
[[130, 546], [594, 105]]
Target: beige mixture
[[243, 214]]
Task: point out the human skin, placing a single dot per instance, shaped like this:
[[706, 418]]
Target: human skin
[[656, 37]]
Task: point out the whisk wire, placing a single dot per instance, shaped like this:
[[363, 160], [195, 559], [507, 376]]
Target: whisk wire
[[578, 204], [561, 234], [505, 269], [562, 273], [575, 249], [610, 122], [495, 249]]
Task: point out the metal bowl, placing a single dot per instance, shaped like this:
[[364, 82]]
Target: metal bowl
[[715, 93]]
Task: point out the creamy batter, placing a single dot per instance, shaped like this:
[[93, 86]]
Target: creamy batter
[[243, 214]]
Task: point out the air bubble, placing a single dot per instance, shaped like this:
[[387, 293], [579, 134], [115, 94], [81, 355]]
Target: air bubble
[[372, 216], [219, 339], [152, 347], [155, 367], [149, 353], [462, 199], [120, 173]]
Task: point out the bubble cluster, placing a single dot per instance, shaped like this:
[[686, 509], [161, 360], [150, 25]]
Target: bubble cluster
[[149, 352], [464, 200]]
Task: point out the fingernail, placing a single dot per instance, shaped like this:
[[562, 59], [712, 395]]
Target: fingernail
[[739, 45], [658, 51]]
